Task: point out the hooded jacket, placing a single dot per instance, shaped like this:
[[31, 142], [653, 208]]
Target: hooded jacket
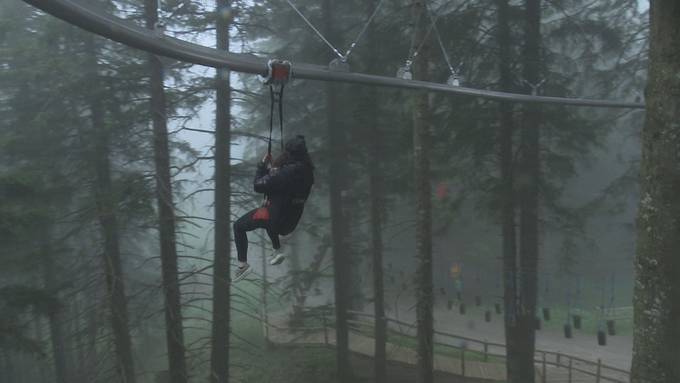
[[287, 187]]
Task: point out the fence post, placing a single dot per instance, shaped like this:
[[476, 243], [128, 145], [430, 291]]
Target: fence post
[[570, 365], [486, 351], [599, 371], [325, 327], [544, 378], [462, 361], [264, 318]]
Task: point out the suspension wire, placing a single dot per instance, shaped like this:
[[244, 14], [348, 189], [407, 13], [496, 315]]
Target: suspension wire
[[321, 36], [356, 41], [363, 31], [413, 54], [441, 43], [413, 39]]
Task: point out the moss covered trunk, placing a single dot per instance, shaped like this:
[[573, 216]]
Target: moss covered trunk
[[656, 346]]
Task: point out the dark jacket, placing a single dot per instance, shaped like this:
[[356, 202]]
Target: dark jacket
[[287, 189]]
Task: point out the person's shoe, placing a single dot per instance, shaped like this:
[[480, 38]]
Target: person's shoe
[[241, 273], [277, 258]]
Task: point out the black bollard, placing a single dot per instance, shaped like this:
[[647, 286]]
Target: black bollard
[[461, 308], [546, 314], [538, 322], [450, 305], [498, 308], [577, 322], [611, 327], [487, 315], [601, 338], [567, 331]]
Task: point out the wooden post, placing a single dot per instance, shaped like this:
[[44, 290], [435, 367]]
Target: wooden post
[[265, 318], [462, 361], [570, 373], [486, 351], [545, 372], [599, 371], [325, 327]]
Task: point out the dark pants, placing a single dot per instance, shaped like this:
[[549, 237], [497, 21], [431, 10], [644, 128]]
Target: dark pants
[[247, 223]]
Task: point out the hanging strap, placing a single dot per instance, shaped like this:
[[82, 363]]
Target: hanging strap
[[276, 98], [279, 72], [281, 113]]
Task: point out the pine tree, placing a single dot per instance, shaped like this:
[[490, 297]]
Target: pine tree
[[528, 183], [421, 158], [166, 212], [108, 221], [507, 187], [221, 286], [657, 264], [376, 153]]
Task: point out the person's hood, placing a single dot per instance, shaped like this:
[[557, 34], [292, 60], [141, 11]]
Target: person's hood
[[297, 147]]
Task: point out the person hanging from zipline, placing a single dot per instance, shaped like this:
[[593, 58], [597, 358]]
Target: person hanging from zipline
[[286, 183]]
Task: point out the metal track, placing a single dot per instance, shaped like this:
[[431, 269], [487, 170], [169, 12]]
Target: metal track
[[125, 32]]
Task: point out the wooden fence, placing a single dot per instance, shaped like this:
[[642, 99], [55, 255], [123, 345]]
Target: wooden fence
[[463, 344]]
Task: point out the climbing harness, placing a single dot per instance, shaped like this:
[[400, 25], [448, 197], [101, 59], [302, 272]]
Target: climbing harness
[[279, 73], [341, 62]]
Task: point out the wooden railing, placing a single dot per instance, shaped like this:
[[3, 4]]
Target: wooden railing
[[463, 344]]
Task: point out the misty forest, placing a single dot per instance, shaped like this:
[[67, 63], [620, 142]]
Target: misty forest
[[303, 191]]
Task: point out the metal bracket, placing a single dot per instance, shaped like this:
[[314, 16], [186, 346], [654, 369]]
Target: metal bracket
[[279, 72]]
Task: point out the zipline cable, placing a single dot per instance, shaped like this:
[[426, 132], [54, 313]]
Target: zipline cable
[[126, 32]]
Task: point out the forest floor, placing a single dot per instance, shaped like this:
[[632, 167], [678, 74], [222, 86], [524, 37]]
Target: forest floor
[[301, 364]]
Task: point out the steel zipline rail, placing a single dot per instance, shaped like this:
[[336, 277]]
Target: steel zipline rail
[[125, 32]]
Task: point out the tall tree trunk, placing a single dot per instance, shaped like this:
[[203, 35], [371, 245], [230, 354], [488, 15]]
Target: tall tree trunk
[[108, 224], [7, 375], [39, 336], [92, 329], [506, 164], [421, 153], [656, 356], [336, 185], [54, 315], [377, 202], [375, 189], [221, 272], [529, 201], [173, 310]]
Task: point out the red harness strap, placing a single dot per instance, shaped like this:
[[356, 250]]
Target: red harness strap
[[262, 214]]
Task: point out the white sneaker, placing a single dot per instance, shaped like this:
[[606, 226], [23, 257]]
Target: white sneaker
[[241, 273], [277, 258]]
